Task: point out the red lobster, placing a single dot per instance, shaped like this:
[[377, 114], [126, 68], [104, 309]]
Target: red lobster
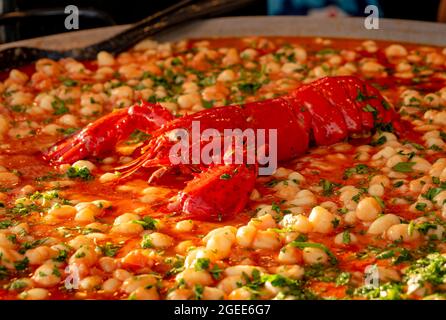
[[323, 112]]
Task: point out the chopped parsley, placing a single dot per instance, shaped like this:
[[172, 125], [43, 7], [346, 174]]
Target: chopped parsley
[[21, 264], [432, 193], [49, 176], [335, 222], [415, 145], [249, 87], [404, 167], [18, 108], [146, 242], [202, 264], [436, 180], [32, 244], [207, 104], [369, 108], [176, 263], [137, 136], [430, 269], [287, 286], [380, 141], [80, 173], [326, 51], [22, 209], [343, 279], [424, 227], [80, 255], [17, 285], [176, 61], [5, 224], [4, 273], [59, 106], [198, 291], [380, 201], [109, 249], [69, 82], [328, 187], [225, 176], [398, 184], [362, 97], [216, 272], [67, 131], [434, 147], [346, 239], [303, 245], [358, 169], [62, 256], [385, 255], [421, 206], [387, 291], [148, 223], [272, 183]]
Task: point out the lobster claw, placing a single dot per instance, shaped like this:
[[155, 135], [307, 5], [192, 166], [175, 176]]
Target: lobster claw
[[218, 192]]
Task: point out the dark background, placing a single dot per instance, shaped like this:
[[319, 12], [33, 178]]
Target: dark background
[[21, 19]]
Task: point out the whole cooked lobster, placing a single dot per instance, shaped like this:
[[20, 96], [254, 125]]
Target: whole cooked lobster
[[323, 112]]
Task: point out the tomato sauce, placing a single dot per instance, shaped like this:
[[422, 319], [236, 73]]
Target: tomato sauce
[[323, 168]]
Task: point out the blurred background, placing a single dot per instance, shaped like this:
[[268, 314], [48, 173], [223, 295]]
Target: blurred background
[[22, 19]]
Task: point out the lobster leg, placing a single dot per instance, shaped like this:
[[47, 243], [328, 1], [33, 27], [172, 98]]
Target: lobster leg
[[102, 135]]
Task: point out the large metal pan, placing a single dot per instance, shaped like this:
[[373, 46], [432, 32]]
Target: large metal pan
[[389, 29]]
